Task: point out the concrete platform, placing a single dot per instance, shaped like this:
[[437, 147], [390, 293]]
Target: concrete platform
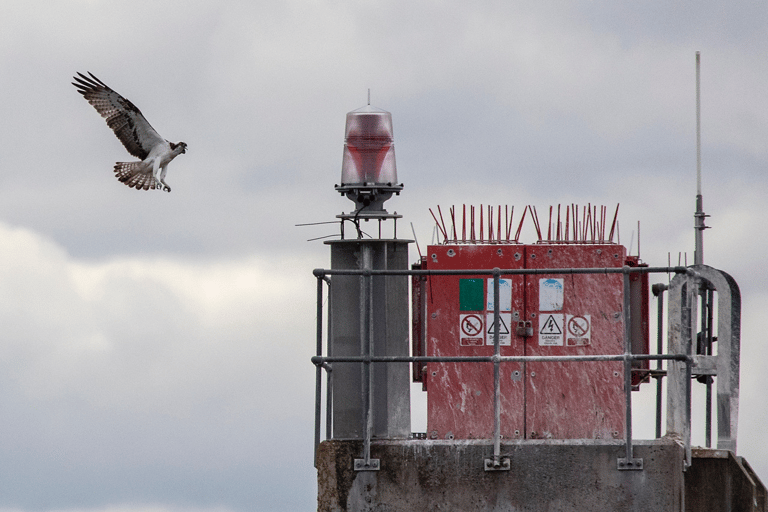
[[545, 475]]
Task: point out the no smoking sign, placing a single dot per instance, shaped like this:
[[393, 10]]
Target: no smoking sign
[[471, 330], [578, 330]]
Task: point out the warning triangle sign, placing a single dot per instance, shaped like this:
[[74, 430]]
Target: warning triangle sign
[[503, 329], [550, 326]]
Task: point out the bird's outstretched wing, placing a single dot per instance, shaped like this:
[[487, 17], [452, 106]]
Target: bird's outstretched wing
[[125, 119]]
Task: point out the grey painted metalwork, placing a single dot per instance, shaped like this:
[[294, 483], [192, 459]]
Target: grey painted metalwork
[[367, 317], [628, 462], [496, 464], [320, 360], [706, 328], [505, 271], [658, 290]]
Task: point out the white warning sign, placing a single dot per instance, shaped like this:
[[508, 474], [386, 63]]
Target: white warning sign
[[550, 294], [551, 329], [471, 330], [505, 321], [505, 295], [578, 330]]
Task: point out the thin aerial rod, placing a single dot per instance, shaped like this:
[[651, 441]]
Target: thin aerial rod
[[698, 123], [699, 226]]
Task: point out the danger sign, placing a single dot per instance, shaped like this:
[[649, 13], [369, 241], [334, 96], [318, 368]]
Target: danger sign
[[505, 320], [551, 329], [471, 332]]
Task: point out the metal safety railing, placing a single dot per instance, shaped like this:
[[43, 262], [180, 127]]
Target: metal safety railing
[[629, 462]]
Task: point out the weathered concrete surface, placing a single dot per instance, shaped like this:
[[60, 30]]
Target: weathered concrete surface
[[545, 475], [718, 481]]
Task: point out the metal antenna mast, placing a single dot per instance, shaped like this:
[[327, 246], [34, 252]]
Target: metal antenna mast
[[699, 226]]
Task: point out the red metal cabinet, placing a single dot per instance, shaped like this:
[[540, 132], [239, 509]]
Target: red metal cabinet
[[569, 314]]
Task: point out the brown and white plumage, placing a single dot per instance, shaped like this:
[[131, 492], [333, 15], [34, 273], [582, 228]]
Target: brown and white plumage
[[136, 134]]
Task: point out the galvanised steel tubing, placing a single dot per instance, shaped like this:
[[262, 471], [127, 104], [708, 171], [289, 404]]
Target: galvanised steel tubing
[[496, 373], [509, 271], [659, 348], [328, 400], [496, 359], [627, 370], [318, 370], [710, 297], [319, 360], [366, 339]]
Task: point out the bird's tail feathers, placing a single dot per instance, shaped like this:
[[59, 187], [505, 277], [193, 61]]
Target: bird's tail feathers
[[136, 175]]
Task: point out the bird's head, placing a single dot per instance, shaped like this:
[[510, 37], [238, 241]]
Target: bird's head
[[182, 145]]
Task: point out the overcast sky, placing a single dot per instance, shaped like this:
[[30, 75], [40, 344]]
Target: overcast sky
[[154, 348]]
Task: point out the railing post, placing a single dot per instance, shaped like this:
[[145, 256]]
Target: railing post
[[319, 353], [658, 290], [496, 464], [366, 349], [628, 462]]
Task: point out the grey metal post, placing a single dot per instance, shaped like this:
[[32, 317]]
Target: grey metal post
[[628, 462], [496, 464], [658, 290], [366, 350], [329, 373], [496, 375], [318, 369], [368, 318], [706, 333]]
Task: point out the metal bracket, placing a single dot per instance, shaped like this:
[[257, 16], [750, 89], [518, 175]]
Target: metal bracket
[[502, 465], [632, 465], [373, 465]]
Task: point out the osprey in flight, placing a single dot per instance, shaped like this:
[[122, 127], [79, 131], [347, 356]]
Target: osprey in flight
[[136, 134]]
